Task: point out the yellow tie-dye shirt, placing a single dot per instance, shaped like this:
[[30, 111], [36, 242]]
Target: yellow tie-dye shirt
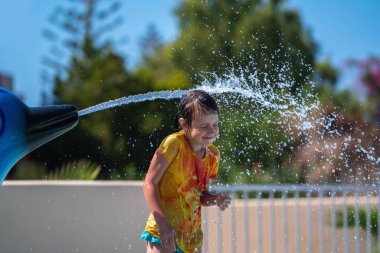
[[180, 189]]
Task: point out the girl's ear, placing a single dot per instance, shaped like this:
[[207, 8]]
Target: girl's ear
[[182, 123]]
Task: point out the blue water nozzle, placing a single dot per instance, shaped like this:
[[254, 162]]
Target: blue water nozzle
[[23, 128]]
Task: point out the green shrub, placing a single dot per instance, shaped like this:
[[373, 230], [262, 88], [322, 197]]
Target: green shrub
[[362, 216], [76, 170]]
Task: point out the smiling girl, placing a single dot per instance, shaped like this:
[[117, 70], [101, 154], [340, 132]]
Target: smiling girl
[[176, 184]]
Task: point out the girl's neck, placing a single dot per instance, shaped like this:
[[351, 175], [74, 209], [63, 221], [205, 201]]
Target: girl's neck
[[200, 152], [197, 149]]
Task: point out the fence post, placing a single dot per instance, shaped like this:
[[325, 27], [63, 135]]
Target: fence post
[[333, 221], [259, 219], [285, 221], [233, 223], [246, 222], [297, 219], [272, 223], [309, 231], [321, 221]]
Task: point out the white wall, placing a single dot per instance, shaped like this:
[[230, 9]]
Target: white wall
[[69, 216]]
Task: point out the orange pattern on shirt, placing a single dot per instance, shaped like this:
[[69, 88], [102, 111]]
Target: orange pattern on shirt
[[180, 189]]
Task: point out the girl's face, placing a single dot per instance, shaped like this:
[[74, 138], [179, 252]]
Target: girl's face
[[203, 130]]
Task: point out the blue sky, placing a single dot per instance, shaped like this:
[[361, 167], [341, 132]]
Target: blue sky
[[343, 29]]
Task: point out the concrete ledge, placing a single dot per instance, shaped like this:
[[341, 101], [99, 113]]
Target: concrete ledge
[[72, 216], [71, 183]]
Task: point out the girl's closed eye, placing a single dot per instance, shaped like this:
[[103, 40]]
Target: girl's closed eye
[[206, 126]]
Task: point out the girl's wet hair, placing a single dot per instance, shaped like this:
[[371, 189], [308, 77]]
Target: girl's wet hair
[[193, 103]]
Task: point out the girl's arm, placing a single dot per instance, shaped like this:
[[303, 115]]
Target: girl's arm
[[155, 172]]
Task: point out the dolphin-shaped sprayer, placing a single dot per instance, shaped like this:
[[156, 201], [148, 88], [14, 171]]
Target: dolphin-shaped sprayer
[[23, 128]]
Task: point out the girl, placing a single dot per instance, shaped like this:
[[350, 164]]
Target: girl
[[176, 184]]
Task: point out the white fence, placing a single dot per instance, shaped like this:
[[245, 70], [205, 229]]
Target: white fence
[[295, 218]]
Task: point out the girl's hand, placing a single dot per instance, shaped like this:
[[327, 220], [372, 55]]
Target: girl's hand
[[168, 236], [222, 201]]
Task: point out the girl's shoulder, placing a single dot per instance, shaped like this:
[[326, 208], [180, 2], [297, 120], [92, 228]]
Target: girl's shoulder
[[176, 138], [213, 151]]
